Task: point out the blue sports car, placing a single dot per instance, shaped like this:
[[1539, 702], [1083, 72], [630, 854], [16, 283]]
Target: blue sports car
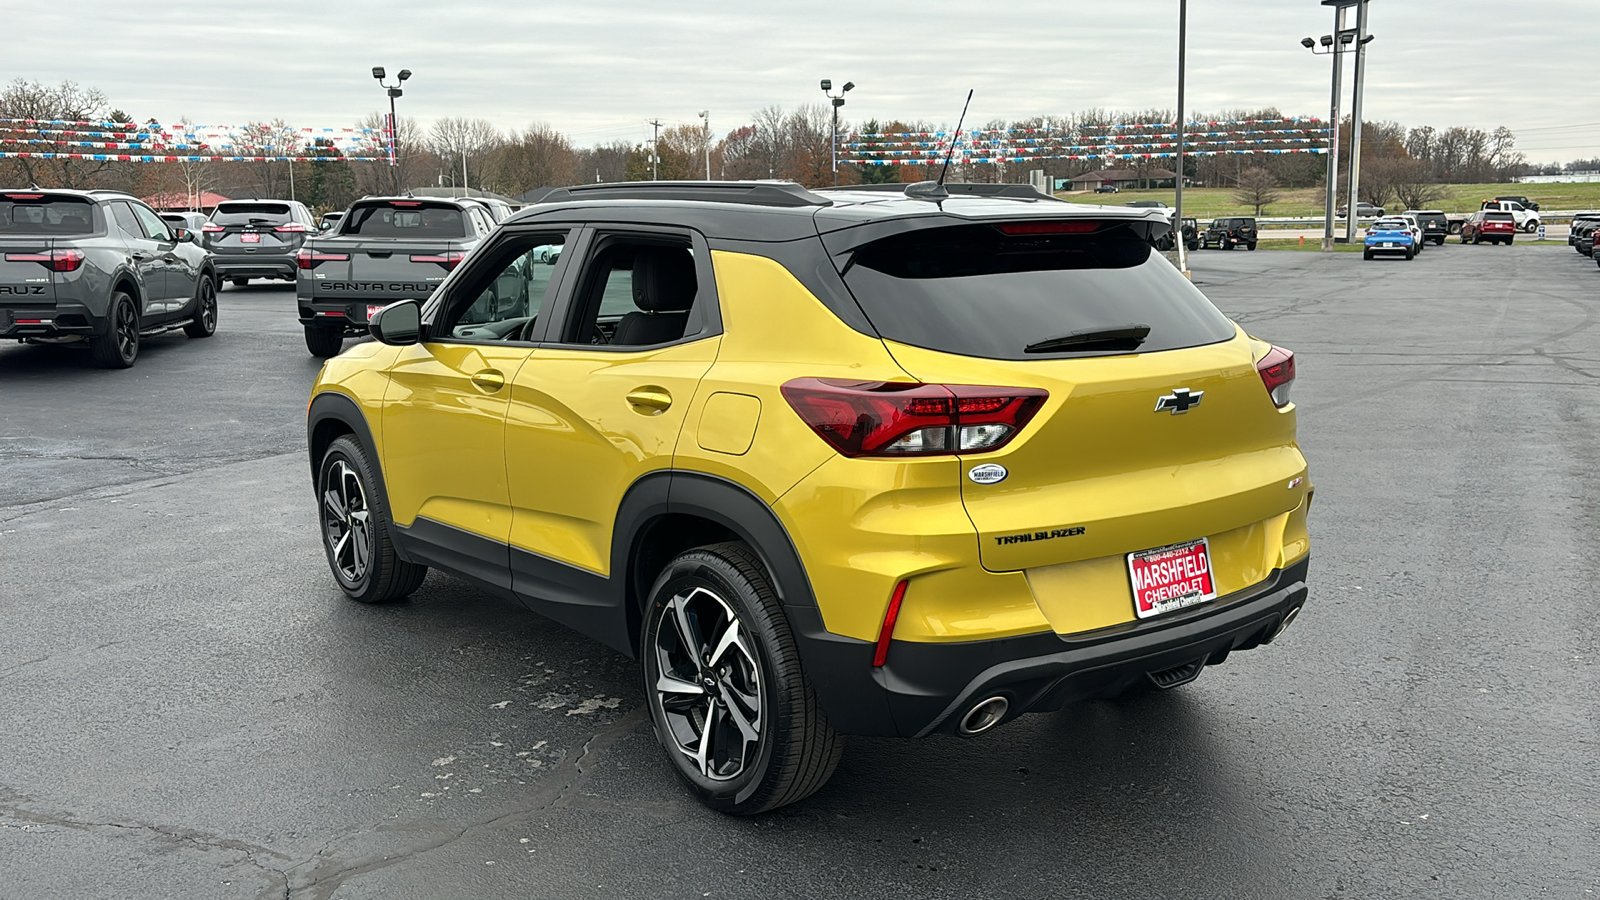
[[1390, 236]]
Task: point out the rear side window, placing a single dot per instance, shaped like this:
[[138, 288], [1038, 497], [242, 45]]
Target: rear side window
[[251, 213], [404, 219], [44, 214], [975, 291]]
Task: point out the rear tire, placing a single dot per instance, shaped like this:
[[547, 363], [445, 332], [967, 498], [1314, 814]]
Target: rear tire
[[119, 346], [1410, 254], [1250, 246], [324, 342], [355, 529], [1366, 254], [729, 700], [205, 312]]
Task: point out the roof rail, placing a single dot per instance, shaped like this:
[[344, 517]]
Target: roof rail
[[1013, 191], [753, 193]]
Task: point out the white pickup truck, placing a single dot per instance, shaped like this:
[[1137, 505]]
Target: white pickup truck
[[1527, 219]]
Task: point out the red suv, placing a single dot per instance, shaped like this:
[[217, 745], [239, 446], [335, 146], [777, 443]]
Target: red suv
[[1488, 225]]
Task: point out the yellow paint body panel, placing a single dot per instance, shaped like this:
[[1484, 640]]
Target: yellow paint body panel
[[728, 423], [574, 443]]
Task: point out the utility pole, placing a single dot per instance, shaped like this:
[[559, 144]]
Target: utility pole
[[1177, 212], [1333, 130], [1355, 127], [655, 151], [706, 115]]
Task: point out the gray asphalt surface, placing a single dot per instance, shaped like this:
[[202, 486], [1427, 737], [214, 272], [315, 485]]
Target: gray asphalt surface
[[190, 709]]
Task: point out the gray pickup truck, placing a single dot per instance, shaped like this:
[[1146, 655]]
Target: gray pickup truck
[[99, 267], [384, 249]]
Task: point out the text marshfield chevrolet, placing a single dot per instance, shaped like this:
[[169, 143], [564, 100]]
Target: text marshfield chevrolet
[[881, 462]]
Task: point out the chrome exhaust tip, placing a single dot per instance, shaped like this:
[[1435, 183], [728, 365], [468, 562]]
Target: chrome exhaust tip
[[1282, 626], [983, 716]]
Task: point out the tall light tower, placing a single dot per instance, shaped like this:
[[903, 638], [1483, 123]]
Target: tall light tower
[[394, 126], [838, 101], [705, 114]]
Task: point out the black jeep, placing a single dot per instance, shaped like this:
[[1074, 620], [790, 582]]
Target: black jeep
[[1226, 234]]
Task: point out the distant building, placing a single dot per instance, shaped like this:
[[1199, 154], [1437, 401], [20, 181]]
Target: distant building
[[1125, 178], [177, 201]]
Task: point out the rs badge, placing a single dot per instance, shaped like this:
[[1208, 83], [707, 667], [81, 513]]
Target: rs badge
[[989, 473]]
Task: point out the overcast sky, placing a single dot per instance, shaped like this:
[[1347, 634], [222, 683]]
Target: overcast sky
[[598, 69]]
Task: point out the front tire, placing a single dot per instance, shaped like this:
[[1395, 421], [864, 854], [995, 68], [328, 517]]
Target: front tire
[[324, 342], [205, 312], [355, 529], [119, 346], [729, 700]]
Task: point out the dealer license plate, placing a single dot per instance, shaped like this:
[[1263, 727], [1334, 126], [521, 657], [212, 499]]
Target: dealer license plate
[[371, 308], [1170, 578], [249, 237], [1390, 244]]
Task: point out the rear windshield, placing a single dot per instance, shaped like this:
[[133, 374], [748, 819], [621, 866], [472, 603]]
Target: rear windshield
[[46, 215], [1430, 217], [1500, 217], [1390, 225], [975, 291], [246, 213], [405, 220]]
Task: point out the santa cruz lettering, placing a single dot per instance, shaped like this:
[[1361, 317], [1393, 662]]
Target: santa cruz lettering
[[375, 287], [21, 289]]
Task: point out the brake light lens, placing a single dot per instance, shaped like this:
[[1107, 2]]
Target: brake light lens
[[211, 228], [888, 419], [310, 259], [54, 260], [1076, 226], [292, 226], [449, 259], [1277, 373], [24, 196]]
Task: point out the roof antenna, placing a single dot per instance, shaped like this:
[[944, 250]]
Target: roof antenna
[[935, 190]]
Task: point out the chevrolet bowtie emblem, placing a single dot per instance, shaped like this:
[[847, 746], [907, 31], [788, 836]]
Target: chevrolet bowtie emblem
[[1180, 400]]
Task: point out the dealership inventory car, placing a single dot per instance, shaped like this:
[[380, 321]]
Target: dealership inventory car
[[257, 238], [188, 221], [1394, 236], [1364, 210], [1226, 234], [1581, 235], [1489, 225], [384, 249], [99, 267], [827, 463], [1435, 224]]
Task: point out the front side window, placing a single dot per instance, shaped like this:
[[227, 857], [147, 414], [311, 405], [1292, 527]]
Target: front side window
[[154, 228], [505, 306]]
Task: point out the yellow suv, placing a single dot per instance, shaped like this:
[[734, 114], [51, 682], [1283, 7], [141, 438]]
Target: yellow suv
[[878, 462]]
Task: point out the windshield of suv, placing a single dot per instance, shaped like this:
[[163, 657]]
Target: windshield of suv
[[976, 291], [44, 214], [245, 213], [404, 218]]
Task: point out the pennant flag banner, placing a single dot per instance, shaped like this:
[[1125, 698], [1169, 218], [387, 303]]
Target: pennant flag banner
[[115, 157]]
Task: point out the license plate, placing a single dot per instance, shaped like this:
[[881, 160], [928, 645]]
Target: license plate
[[1390, 244], [371, 308], [249, 237], [1167, 579]]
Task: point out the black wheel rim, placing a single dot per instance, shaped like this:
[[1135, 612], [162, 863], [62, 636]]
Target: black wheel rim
[[208, 306], [708, 690], [127, 326], [346, 523]]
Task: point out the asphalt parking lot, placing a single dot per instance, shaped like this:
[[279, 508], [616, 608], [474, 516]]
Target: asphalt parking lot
[[189, 707]]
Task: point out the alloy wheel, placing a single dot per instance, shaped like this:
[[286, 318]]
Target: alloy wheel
[[708, 684], [127, 326], [208, 309], [347, 522]]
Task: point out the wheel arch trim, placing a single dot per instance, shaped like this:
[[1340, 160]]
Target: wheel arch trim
[[332, 407]]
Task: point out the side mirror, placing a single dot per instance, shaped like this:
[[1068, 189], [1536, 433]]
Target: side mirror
[[184, 235], [397, 324]]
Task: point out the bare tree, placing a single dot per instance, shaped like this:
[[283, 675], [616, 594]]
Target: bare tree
[[538, 156], [457, 142], [1257, 188], [23, 99], [413, 156]]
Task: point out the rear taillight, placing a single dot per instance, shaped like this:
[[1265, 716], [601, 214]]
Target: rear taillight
[[292, 226], [211, 228], [1277, 373], [309, 259], [449, 259], [54, 260], [877, 418]]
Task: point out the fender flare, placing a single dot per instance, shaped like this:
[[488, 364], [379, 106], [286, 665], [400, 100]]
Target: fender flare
[[332, 406]]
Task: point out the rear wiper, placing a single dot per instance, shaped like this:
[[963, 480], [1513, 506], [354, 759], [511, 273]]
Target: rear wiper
[[1117, 337]]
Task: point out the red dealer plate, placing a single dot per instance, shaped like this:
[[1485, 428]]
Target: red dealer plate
[[249, 237], [1170, 578], [372, 308]]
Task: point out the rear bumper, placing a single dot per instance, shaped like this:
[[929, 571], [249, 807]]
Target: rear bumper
[[255, 266], [62, 320], [926, 688]]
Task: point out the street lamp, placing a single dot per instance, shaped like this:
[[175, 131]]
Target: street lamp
[[1343, 40], [706, 115], [838, 101], [394, 130]]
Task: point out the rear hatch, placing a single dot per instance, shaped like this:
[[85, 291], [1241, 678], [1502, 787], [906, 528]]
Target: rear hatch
[[253, 228], [1158, 428], [394, 249], [36, 229], [1499, 221]]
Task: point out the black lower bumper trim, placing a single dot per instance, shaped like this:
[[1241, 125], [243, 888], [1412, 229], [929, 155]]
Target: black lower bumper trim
[[926, 687]]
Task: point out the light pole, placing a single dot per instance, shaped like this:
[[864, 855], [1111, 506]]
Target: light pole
[[1334, 45], [1177, 211], [706, 115], [1362, 38], [833, 138], [394, 126]]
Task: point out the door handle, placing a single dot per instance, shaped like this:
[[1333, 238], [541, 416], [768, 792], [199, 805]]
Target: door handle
[[653, 399], [490, 380], [141, 256]]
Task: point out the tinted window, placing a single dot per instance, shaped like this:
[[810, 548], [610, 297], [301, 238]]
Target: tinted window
[[1500, 217], [125, 220], [404, 219], [974, 291], [154, 228], [503, 308], [246, 213], [47, 215]]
